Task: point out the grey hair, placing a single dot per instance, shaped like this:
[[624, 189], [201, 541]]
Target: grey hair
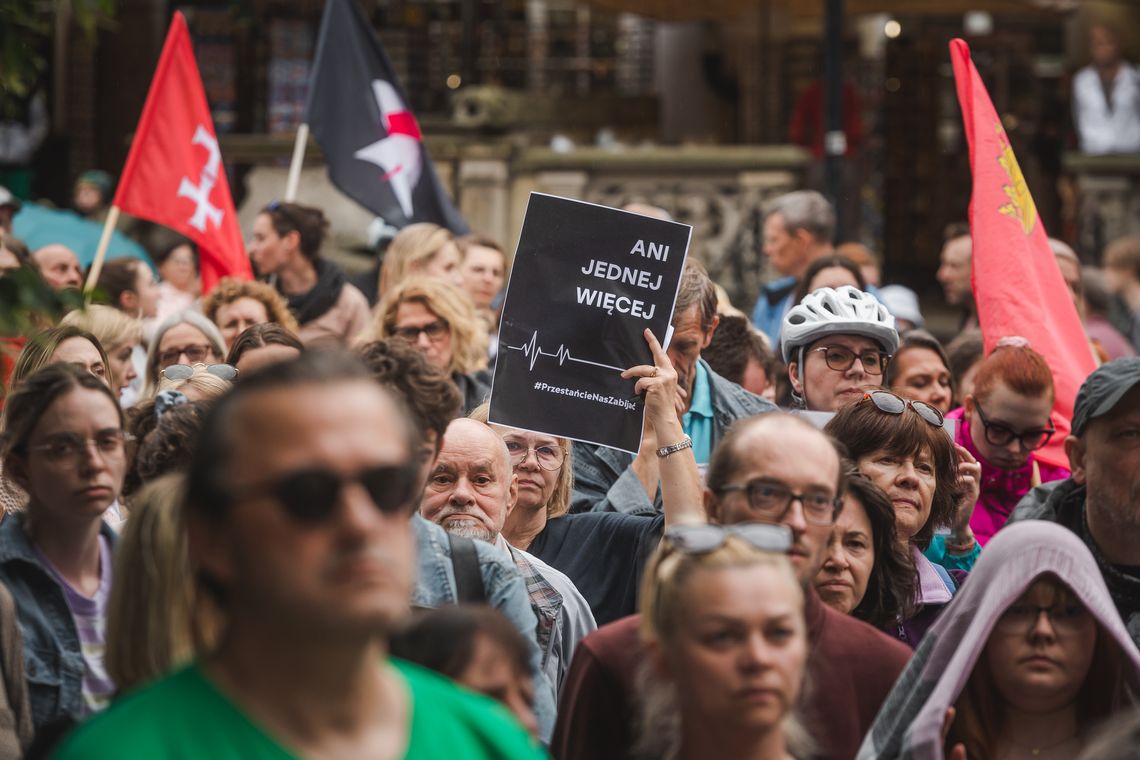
[[806, 210], [188, 316]]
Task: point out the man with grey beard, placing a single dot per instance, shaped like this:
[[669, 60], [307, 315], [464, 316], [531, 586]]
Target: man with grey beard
[[1101, 501], [470, 490]]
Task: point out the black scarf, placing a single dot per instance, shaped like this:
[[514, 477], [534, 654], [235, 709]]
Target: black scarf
[[323, 296]]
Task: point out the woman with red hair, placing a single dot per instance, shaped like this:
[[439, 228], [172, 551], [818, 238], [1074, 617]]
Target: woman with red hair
[[1001, 423]]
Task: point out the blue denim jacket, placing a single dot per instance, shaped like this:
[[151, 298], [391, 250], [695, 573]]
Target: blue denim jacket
[[53, 657], [603, 480], [506, 592]]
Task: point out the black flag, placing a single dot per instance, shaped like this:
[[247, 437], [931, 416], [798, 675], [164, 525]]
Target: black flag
[[359, 114]]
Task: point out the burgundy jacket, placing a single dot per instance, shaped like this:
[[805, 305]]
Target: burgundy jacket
[[851, 669]]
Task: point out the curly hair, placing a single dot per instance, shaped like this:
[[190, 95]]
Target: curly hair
[[864, 430], [166, 447], [230, 289], [431, 397], [890, 589], [468, 335]]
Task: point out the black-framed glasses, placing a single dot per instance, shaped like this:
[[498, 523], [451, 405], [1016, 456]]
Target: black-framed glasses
[[311, 496], [1000, 434], [69, 447], [186, 371], [702, 539], [1019, 619], [195, 352], [771, 500], [548, 457], [433, 330], [841, 359], [885, 401]]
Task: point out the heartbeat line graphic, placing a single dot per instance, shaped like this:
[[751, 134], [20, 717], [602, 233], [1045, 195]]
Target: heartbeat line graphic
[[532, 351]]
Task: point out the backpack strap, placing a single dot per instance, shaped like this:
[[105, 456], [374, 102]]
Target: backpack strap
[[465, 562]]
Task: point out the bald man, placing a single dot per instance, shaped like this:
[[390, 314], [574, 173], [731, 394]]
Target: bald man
[[59, 266]]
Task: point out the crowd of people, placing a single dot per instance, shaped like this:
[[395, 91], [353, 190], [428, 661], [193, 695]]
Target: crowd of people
[[273, 520]]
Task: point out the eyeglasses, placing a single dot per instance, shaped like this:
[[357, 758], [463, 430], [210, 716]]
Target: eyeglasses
[[311, 496], [702, 539], [196, 353], [68, 447], [772, 499], [885, 401], [841, 359], [549, 457], [434, 331], [1000, 434], [186, 371], [1020, 619]]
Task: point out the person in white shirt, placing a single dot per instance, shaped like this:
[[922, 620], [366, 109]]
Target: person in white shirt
[[1106, 97]]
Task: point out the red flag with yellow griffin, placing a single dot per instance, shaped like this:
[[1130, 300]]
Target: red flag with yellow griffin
[[1018, 287]]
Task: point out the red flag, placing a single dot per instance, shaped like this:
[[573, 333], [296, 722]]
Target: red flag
[[174, 174], [1017, 284]]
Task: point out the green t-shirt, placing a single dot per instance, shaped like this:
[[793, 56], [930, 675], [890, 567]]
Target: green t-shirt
[[185, 717]]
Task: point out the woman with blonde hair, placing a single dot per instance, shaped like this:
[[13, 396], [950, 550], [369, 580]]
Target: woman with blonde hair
[[420, 249], [234, 305], [722, 616], [118, 333], [439, 320], [149, 612]]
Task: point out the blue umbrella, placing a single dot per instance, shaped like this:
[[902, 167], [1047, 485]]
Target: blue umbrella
[[40, 225]]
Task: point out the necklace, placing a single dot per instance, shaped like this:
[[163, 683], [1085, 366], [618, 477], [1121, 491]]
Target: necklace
[[1036, 751]]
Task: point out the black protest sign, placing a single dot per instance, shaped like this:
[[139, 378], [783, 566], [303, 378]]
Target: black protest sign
[[585, 283]]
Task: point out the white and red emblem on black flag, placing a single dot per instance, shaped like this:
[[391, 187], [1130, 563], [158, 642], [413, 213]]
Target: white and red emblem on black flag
[[358, 113]]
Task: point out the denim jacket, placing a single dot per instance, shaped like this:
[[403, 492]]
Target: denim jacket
[[506, 592], [603, 480], [53, 657]]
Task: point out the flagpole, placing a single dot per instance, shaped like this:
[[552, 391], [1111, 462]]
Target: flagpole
[[295, 165], [101, 252]]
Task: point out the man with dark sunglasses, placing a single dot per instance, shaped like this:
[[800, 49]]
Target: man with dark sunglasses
[[300, 492], [1100, 502], [836, 343], [774, 469]]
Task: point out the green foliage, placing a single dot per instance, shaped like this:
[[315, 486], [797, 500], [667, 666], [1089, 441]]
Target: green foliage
[[26, 28], [27, 304]]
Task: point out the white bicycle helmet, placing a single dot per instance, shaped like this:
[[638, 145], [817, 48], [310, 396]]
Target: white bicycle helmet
[[837, 311]]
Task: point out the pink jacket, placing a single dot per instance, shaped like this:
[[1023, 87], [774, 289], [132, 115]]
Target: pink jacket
[[1001, 489]]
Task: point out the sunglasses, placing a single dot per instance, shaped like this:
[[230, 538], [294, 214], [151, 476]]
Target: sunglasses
[[312, 496], [1000, 434], [196, 353], [702, 539], [434, 331], [186, 371], [885, 401]]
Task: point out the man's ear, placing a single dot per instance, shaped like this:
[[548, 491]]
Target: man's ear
[[513, 492], [794, 377], [1075, 450], [712, 507], [209, 550], [709, 333]]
